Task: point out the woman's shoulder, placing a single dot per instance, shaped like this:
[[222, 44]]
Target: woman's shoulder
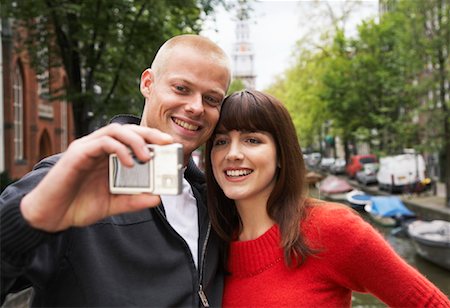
[[331, 217], [329, 211]]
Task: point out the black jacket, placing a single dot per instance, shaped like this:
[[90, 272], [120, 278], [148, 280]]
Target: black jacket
[[134, 259]]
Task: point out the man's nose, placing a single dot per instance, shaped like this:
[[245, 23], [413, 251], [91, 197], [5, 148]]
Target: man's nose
[[195, 104]]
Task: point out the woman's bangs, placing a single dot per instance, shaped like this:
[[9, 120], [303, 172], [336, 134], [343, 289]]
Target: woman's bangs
[[240, 114]]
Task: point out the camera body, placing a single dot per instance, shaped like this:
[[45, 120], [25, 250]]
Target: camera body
[[162, 175]]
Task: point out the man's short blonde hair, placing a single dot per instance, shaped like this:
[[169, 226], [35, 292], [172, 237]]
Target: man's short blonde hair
[[197, 42]]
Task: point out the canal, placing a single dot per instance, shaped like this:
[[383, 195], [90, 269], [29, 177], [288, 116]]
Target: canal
[[403, 246]]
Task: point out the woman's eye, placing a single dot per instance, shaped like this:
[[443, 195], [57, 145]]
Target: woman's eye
[[220, 142], [253, 140]]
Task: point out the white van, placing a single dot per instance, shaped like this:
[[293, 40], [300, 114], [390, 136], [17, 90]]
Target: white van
[[398, 171]]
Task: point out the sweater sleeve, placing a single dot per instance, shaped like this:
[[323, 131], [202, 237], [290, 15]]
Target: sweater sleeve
[[362, 260], [18, 239]]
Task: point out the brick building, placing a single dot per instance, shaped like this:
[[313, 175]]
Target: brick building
[[34, 126]]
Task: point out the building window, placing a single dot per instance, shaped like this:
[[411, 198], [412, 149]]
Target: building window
[[18, 115]]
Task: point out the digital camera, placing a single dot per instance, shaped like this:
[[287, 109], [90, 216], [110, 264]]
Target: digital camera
[[161, 175]]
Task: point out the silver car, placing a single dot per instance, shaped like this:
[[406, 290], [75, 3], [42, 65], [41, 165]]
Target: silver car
[[368, 174]]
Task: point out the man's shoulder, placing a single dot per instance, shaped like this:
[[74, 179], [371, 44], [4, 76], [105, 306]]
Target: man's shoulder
[[126, 119], [48, 161]]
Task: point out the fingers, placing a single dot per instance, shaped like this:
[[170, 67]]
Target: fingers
[[76, 191], [120, 139]]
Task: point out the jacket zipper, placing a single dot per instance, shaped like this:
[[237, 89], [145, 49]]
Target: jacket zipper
[[201, 293]]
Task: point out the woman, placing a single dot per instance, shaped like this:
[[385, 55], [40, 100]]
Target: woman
[[282, 248]]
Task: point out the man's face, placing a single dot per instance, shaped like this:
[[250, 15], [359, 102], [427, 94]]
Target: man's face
[[184, 99]]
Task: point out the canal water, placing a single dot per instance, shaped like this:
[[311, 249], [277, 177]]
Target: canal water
[[404, 247]]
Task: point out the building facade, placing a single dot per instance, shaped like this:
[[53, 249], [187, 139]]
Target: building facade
[[34, 125]]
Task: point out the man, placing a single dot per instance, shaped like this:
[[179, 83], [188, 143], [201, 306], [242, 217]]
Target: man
[[63, 232]]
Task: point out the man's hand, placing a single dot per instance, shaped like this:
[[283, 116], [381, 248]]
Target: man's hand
[[76, 192]]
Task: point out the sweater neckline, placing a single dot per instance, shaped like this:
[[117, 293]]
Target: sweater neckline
[[250, 258]]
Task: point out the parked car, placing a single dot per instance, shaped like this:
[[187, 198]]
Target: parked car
[[326, 163], [313, 160], [399, 171], [338, 167], [368, 175], [356, 163]]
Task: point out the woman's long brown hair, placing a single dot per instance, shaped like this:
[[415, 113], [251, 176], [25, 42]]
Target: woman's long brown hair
[[251, 111]]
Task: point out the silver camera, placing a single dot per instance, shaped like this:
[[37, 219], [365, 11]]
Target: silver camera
[[162, 175]]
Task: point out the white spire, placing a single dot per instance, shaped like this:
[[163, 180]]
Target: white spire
[[243, 56]]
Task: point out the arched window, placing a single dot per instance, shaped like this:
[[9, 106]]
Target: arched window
[[18, 114], [45, 145]]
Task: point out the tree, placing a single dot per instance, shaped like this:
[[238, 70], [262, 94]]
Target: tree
[[299, 89], [382, 79], [103, 46], [236, 85], [428, 24]]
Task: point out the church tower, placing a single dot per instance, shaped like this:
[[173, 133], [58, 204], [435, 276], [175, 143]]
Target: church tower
[[243, 56]]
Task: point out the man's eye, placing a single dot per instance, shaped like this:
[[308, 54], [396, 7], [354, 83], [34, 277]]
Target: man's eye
[[181, 89], [212, 101]]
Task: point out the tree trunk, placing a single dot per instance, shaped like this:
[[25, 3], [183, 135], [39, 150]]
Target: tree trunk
[[82, 120]]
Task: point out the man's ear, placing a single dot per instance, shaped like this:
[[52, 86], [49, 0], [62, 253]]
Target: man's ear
[[147, 79]]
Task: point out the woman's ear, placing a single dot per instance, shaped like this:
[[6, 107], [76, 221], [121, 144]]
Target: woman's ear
[[147, 79]]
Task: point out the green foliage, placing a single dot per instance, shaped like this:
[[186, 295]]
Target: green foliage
[[369, 83], [101, 45], [236, 85], [387, 88]]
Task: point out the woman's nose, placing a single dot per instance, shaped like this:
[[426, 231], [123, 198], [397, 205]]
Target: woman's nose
[[234, 152]]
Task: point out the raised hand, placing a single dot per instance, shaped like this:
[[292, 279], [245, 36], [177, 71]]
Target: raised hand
[[76, 193]]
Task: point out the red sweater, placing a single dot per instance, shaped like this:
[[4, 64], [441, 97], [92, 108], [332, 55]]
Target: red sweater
[[354, 257]]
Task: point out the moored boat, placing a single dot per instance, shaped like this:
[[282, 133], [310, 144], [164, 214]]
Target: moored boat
[[431, 240], [388, 211], [357, 199], [334, 188]]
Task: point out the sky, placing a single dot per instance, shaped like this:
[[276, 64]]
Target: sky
[[276, 26]]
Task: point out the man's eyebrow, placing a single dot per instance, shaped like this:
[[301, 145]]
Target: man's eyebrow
[[215, 91], [179, 79]]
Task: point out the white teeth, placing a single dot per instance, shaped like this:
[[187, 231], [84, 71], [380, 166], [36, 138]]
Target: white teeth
[[236, 173], [186, 125]]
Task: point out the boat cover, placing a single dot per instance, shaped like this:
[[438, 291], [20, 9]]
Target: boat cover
[[334, 185], [358, 197], [362, 197], [435, 232], [389, 206]]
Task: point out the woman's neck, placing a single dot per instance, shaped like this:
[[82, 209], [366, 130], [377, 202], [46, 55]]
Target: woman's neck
[[254, 217]]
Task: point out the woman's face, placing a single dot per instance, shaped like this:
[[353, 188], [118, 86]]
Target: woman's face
[[244, 164]]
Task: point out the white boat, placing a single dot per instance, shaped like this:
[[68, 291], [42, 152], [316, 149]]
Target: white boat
[[431, 239], [357, 199]]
